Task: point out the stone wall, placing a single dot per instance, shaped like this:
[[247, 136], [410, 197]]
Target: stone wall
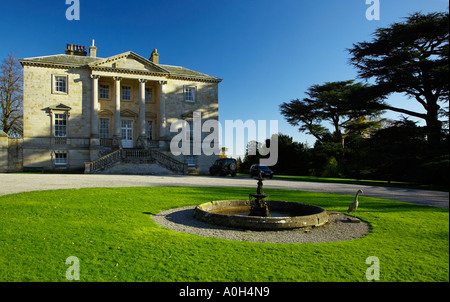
[[15, 154], [3, 152], [11, 155]]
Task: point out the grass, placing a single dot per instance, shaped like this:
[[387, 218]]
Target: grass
[[111, 231]]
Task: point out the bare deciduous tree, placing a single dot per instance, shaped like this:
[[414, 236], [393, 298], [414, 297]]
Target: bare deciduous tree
[[11, 97]]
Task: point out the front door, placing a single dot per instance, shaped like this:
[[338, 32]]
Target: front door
[[127, 133]]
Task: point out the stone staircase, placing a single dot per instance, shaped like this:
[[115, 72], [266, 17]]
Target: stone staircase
[[136, 161]]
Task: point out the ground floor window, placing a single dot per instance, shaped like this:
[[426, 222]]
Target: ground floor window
[[104, 128], [60, 125], [191, 160], [61, 158], [190, 132], [149, 130]]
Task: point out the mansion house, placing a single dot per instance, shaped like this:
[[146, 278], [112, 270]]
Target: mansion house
[[113, 114]]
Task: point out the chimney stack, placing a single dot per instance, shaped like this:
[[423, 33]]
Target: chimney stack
[[76, 50], [93, 50], [154, 57]]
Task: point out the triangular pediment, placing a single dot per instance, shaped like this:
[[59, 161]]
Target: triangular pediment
[[128, 113], [61, 107], [128, 61]]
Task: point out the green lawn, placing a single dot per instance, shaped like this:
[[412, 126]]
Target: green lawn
[[111, 231]]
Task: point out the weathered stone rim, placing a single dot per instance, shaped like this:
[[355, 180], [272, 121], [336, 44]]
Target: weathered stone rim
[[305, 215]]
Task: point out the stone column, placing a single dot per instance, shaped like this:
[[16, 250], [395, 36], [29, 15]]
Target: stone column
[[94, 140], [162, 115], [117, 137], [142, 139], [94, 107]]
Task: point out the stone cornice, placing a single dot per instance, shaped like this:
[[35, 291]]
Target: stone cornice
[[128, 71], [194, 78], [166, 75], [50, 65], [157, 74]]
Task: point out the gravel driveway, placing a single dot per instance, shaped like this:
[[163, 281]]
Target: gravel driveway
[[15, 183]]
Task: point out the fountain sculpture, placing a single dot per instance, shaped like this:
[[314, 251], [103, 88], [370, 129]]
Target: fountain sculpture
[[258, 214], [258, 206]]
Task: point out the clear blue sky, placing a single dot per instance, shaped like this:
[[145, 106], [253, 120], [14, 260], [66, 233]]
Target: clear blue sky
[[266, 52]]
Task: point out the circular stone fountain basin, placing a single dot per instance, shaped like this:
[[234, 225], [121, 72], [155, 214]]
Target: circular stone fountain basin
[[284, 215]]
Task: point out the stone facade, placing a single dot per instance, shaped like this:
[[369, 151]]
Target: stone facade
[[78, 108]]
